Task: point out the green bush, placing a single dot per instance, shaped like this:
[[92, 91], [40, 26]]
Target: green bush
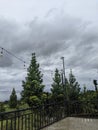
[[2, 108], [35, 101]]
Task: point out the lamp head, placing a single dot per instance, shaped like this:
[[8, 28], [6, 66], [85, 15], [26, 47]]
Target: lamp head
[[95, 82], [1, 54]]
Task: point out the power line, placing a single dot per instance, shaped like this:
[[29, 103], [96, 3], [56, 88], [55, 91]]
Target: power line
[[13, 55], [10, 53]]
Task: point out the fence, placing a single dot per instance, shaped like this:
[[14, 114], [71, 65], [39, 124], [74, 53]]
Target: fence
[[41, 116], [32, 118], [87, 108]]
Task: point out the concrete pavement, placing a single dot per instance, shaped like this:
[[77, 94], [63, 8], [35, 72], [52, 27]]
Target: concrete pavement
[[72, 123]]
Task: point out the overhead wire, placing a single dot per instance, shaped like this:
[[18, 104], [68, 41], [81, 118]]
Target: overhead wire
[[13, 55], [10, 53], [18, 58]]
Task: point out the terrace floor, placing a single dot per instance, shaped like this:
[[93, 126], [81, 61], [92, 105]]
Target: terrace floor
[[72, 123]]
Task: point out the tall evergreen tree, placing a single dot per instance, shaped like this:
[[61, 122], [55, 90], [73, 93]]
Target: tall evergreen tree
[[32, 86], [2, 108], [74, 88], [65, 84], [57, 88], [13, 99]]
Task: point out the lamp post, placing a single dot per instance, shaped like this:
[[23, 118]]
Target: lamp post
[[65, 89], [95, 83], [63, 78], [1, 53], [63, 67]]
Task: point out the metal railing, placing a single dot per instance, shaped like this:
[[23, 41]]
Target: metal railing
[[32, 118], [41, 116], [87, 108]]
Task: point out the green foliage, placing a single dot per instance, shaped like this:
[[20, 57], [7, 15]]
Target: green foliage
[[57, 87], [67, 89], [88, 95], [74, 88], [2, 108], [35, 101], [84, 89], [13, 99], [44, 98], [32, 86], [88, 99]]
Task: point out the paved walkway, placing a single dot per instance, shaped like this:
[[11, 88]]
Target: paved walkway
[[72, 123]]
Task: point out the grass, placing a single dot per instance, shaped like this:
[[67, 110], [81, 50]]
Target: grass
[[19, 106]]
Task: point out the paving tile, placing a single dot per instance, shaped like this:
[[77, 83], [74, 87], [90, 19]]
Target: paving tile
[[72, 123]]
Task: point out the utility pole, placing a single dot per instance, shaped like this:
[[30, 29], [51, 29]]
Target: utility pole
[[65, 87], [63, 68], [64, 79], [95, 83]]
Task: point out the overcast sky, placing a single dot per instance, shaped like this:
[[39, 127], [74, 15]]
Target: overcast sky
[[51, 29]]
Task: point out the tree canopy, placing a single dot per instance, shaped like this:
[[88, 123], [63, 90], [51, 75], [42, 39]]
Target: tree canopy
[[13, 99], [57, 84], [74, 88], [32, 86]]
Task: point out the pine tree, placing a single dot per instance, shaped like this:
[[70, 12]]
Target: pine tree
[[65, 85], [13, 99], [2, 108], [74, 89], [57, 88], [32, 86]]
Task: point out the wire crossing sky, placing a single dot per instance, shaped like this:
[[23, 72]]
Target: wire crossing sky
[[10, 53]]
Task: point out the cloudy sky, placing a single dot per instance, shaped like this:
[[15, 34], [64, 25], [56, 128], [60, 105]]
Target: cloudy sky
[[52, 29]]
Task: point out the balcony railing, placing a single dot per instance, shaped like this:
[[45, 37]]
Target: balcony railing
[[41, 116]]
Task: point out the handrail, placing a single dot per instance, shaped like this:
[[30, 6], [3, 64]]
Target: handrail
[[43, 115]]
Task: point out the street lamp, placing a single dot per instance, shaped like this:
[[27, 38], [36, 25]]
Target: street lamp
[[1, 53], [63, 68], [64, 80], [95, 83]]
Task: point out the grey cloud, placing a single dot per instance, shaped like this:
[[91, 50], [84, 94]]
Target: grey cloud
[[46, 38], [50, 12], [85, 50], [51, 36], [5, 61], [8, 32], [55, 36]]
